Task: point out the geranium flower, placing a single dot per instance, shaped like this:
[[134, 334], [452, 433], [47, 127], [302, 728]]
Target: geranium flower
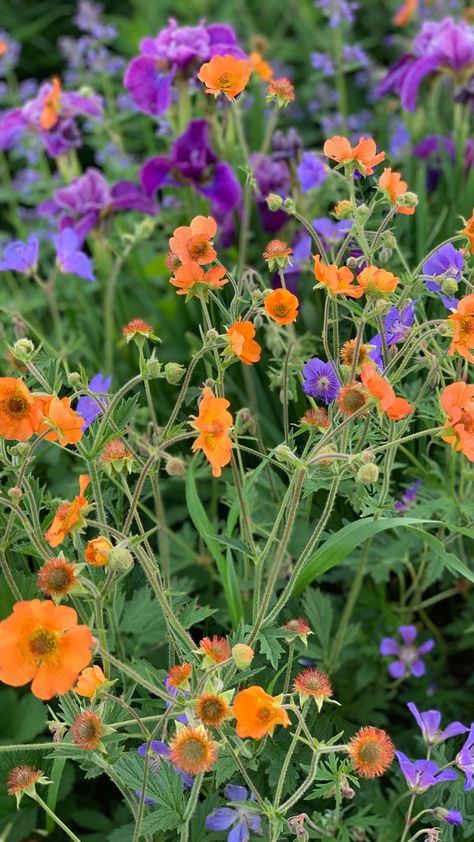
[[457, 400], [282, 90], [465, 760], [21, 412], [21, 257], [392, 183], [241, 819], [216, 650], [395, 408], [281, 306], [261, 67], [311, 171], [409, 658], [87, 731], [257, 713], [57, 577], [60, 422], [192, 244], [363, 156], [337, 281], [97, 551], [242, 343], [90, 408], [396, 327], [213, 422], [408, 497], [463, 323], [429, 723], [420, 775], [69, 258], [41, 642], [320, 380], [442, 272], [468, 231], [69, 517], [192, 749], [160, 753], [225, 74]]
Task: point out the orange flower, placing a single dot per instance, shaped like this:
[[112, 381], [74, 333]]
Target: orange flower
[[257, 713], [179, 676], [212, 709], [392, 183], [116, 457], [463, 323], [277, 253], [213, 422], [337, 281], [377, 282], [351, 398], [215, 650], [282, 306], [225, 74], [193, 750], [241, 339], [457, 400], [20, 411], [364, 156], [86, 730], [405, 13], [282, 90], [70, 516], [469, 230], [317, 418], [90, 681], [348, 350], [137, 326], [97, 551], [22, 778], [371, 751], [260, 66], [313, 683], [191, 279], [63, 423], [51, 104], [42, 642], [57, 577], [395, 408], [192, 244]]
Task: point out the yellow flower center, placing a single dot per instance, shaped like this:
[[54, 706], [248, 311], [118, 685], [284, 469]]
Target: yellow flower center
[[226, 81], [42, 643]]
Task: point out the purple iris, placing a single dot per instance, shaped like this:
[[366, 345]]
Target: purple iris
[[445, 45], [64, 134], [272, 176], [311, 171], [445, 264], [409, 658], [408, 498], [320, 380], [420, 775], [429, 722], [88, 200], [193, 161], [21, 257], [241, 819], [465, 760], [176, 49], [69, 258], [88, 408], [160, 752], [397, 324]]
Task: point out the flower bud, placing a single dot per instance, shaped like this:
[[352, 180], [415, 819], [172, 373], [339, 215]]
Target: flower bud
[[175, 467], [243, 655], [368, 473], [212, 334], [363, 211], [23, 350], [244, 421], [120, 559], [283, 453], [174, 373], [389, 240], [407, 200], [274, 202], [343, 209], [256, 296], [382, 306], [352, 262], [384, 255], [15, 493], [296, 826], [449, 286], [289, 205], [368, 456], [151, 368], [326, 462]]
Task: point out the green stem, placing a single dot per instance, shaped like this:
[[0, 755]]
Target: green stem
[[55, 818], [191, 807]]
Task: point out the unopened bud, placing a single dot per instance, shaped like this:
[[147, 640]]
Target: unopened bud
[[449, 286], [382, 306], [296, 826], [384, 255], [343, 210], [289, 205], [283, 453], [243, 655], [174, 373], [15, 493], [368, 473], [363, 211], [407, 200], [274, 202], [23, 350], [151, 368], [209, 383], [75, 380], [368, 456], [389, 240], [352, 262], [326, 452], [175, 467], [119, 559], [244, 421], [212, 334], [256, 296]]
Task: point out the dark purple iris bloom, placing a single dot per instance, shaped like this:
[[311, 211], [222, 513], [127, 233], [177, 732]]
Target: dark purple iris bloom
[[82, 204], [320, 380], [444, 265], [409, 658], [176, 49], [429, 722], [397, 324], [241, 819], [64, 134], [420, 775], [69, 258], [272, 176], [408, 498], [21, 257], [160, 752], [89, 408], [192, 161], [465, 760], [312, 171], [445, 45]]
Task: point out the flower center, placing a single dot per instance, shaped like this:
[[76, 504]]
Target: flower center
[[212, 710], [467, 420], [42, 643], [199, 247], [16, 406], [408, 654], [281, 310], [59, 579], [354, 399], [265, 715], [226, 81], [466, 328], [369, 752], [323, 383], [193, 750]]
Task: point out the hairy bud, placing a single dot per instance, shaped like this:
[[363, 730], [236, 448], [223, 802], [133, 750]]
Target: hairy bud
[[174, 373], [368, 473]]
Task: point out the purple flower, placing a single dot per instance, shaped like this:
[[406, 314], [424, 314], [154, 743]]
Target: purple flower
[[445, 45], [331, 232], [174, 691], [88, 20], [88, 408], [408, 657], [354, 54], [311, 171], [320, 380], [397, 324], [286, 145], [429, 722], [338, 11], [21, 257], [465, 760], [322, 63], [408, 498], [10, 52], [444, 265], [420, 775], [158, 752], [241, 819], [69, 258], [272, 176], [450, 816], [192, 161]]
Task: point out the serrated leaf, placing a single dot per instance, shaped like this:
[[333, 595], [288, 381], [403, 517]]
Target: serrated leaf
[[270, 645]]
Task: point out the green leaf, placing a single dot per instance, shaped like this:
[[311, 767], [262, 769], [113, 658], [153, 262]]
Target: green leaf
[[270, 645], [234, 543], [451, 561]]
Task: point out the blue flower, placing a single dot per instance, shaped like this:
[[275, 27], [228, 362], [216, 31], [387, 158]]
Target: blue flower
[[449, 816], [409, 658], [160, 752], [445, 264], [312, 172], [429, 722], [241, 819], [320, 380], [465, 760], [87, 407], [69, 258], [21, 257], [408, 498], [420, 775], [397, 324]]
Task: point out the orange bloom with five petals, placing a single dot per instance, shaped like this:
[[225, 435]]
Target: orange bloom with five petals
[[64, 425], [191, 277], [20, 411], [463, 323], [337, 281], [226, 75], [395, 408], [394, 185], [41, 642], [242, 343], [377, 282], [282, 306], [457, 400], [70, 516], [364, 155], [192, 243], [213, 423], [257, 713]]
